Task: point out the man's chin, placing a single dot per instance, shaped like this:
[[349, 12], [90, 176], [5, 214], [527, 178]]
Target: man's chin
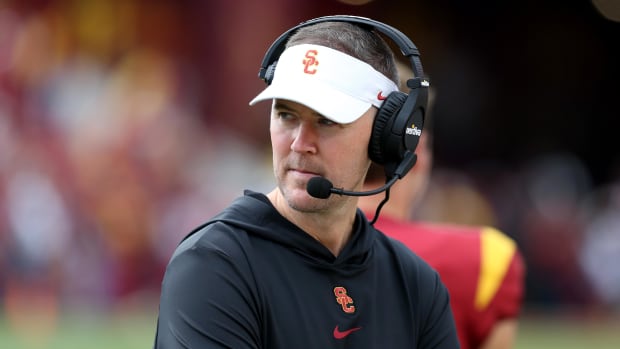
[[300, 200]]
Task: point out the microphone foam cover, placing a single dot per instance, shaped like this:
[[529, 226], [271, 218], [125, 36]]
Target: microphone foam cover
[[319, 187]]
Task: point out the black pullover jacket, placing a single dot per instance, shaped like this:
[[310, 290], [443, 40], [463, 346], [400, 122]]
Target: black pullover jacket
[[249, 278]]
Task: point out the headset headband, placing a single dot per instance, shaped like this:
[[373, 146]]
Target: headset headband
[[406, 46]]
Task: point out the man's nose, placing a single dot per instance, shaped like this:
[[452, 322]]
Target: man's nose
[[305, 139]]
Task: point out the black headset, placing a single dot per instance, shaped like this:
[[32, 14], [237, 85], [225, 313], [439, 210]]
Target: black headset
[[398, 124]]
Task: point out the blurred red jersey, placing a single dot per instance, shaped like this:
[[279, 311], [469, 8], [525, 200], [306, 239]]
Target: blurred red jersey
[[481, 267]]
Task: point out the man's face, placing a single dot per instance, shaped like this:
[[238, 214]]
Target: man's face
[[306, 144]]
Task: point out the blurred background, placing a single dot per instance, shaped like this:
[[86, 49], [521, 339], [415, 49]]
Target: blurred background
[[125, 123]]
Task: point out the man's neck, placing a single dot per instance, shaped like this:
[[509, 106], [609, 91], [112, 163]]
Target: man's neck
[[332, 228]]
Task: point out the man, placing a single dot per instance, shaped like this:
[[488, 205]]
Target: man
[[481, 267], [286, 269]]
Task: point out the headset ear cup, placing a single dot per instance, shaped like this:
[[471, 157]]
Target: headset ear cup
[[380, 135]]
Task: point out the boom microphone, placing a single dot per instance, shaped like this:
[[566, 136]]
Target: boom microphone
[[322, 188]]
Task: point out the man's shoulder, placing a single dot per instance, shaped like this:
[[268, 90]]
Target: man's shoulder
[[484, 255], [212, 235], [238, 216], [417, 234], [487, 243], [451, 230]]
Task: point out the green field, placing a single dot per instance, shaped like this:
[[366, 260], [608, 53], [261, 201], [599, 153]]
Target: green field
[[135, 330], [555, 332]]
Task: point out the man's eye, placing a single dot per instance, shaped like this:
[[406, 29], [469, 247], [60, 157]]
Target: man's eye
[[285, 115], [326, 121]]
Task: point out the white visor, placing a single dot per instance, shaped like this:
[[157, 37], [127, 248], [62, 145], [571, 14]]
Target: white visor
[[332, 83]]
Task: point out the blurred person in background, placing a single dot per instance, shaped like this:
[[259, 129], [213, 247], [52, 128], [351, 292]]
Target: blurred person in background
[[552, 228], [599, 254], [482, 267], [295, 269]]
